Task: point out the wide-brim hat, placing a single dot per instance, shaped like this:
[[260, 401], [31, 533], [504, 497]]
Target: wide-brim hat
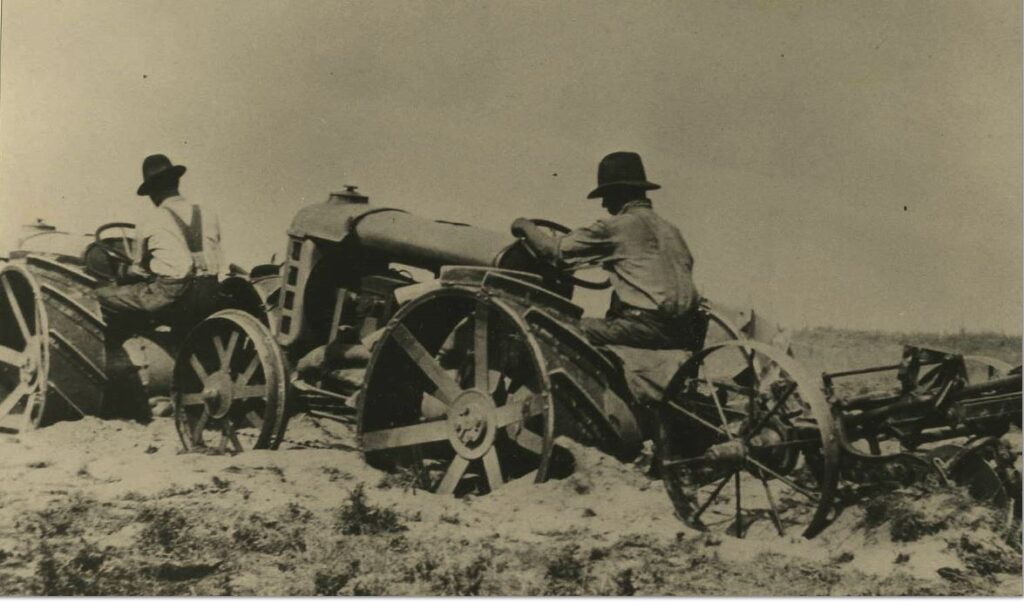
[[618, 170], [157, 171]]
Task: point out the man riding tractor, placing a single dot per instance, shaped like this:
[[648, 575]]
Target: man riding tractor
[[654, 301], [173, 275]]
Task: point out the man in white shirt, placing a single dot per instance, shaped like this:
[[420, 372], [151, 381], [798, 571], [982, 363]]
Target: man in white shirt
[[177, 255]]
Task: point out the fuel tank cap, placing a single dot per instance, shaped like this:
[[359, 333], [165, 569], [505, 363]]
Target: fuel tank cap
[[349, 195]]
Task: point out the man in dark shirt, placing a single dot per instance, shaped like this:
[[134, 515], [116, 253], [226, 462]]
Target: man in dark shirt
[[654, 300]]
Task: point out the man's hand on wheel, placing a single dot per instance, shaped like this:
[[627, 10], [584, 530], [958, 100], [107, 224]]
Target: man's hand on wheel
[[537, 241]]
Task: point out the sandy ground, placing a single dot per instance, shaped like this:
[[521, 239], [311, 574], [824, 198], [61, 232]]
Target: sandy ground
[[113, 507], [105, 507]]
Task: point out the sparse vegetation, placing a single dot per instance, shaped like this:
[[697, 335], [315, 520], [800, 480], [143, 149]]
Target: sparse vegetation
[[358, 517], [165, 527], [59, 518], [565, 572], [907, 522], [280, 533], [986, 557], [330, 583], [77, 576], [247, 526]]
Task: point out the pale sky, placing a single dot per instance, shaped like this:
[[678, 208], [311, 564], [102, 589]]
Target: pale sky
[[854, 164]]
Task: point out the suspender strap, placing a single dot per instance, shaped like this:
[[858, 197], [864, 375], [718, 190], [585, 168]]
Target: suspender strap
[[193, 234]]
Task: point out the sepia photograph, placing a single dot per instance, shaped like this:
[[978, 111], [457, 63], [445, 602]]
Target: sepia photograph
[[682, 298]]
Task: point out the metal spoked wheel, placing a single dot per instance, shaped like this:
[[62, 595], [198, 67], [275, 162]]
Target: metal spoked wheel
[[24, 350], [229, 381], [731, 446], [457, 396]]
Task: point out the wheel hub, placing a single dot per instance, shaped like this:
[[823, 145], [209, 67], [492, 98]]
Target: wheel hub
[[218, 394], [728, 453], [472, 423]]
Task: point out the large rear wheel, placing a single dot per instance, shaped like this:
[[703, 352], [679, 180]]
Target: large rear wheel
[[457, 397], [23, 350]]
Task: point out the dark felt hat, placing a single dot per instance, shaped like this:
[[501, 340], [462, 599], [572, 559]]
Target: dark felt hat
[[157, 171], [621, 169]]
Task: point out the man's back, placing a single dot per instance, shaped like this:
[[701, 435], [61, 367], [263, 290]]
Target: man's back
[[650, 265], [164, 241]]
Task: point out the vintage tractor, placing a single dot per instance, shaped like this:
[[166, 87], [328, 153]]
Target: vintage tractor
[[458, 359], [348, 269], [476, 367], [57, 360]]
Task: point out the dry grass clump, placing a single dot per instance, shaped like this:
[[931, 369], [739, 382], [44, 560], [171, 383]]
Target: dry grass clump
[[273, 534], [358, 517]]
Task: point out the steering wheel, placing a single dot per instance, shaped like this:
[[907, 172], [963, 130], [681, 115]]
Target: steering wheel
[[557, 228], [121, 255]]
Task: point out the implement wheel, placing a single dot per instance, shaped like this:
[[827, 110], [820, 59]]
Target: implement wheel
[[457, 396], [748, 431], [24, 350], [229, 381]]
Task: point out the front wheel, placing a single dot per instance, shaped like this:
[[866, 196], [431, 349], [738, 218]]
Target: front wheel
[[230, 385]]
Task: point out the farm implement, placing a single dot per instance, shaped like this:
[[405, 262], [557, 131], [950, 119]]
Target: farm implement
[[820, 446]]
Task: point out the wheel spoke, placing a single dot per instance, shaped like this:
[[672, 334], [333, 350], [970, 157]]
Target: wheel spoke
[[515, 411], [680, 462], [249, 371], [718, 404], [734, 388], [249, 391], [408, 435], [198, 368], [447, 389], [771, 412], [774, 509], [197, 429], [229, 431], [218, 346], [192, 399], [12, 398], [786, 444], [813, 497], [255, 419], [530, 441], [480, 373], [493, 469], [700, 420], [16, 309], [224, 352], [712, 497], [510, 412], [11, 356], [432, 407], [739, 507], [453, 475]]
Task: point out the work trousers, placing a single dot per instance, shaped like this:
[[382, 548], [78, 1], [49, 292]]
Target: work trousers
[[638, 328], [165, 300]]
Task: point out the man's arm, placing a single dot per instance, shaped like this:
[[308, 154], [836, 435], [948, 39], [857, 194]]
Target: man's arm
[[134, 271], [586, 245]]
